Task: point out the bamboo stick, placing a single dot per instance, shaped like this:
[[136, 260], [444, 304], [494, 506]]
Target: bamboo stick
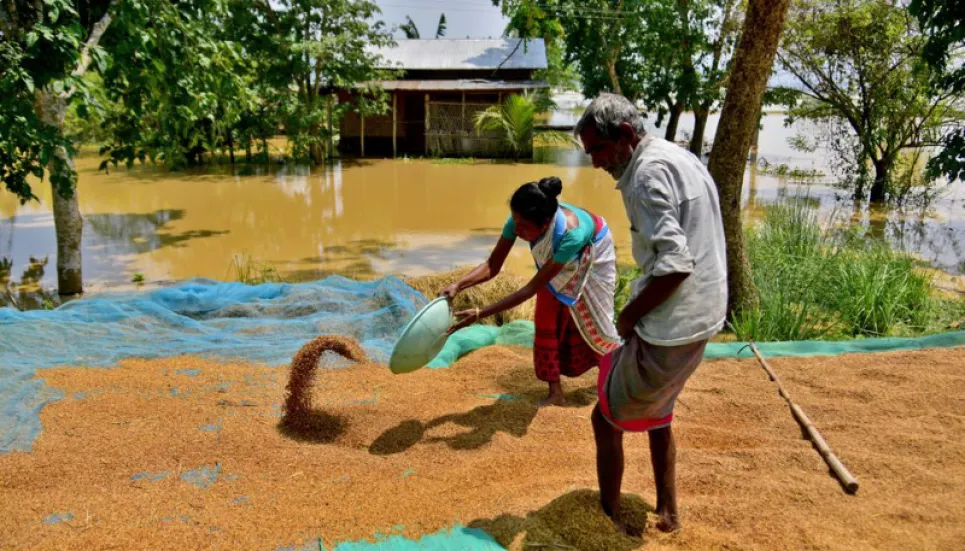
[[847, 480]]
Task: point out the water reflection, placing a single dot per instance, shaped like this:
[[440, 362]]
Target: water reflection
[[27, 293]]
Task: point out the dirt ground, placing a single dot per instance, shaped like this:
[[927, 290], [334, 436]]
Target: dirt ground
[[184, 453]]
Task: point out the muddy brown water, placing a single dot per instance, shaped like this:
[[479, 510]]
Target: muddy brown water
[[372, 217]]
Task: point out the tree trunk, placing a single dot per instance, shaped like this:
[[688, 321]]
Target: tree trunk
[[331, 130], [754, 143], [700, 126], [882, 168], [753, 62], [611, 68], [68, 223], [315, 148], [231, 146], [673, 121], [248, 150], [69, 227]]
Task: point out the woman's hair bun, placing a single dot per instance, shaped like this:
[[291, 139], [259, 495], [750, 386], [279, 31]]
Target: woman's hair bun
[[551, 186]]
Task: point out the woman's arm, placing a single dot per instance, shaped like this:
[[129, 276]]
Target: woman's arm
[[482, 273], [542, 278]]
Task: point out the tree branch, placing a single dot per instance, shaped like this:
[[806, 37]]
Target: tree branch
[[266, 8], [511, 54], [95, 37], [10, 12]]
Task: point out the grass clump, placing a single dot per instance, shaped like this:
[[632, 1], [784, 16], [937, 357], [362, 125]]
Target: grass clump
[[246, 269], [817, 284]]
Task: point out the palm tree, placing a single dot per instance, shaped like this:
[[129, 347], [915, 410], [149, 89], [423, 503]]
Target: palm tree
[[441, 29], [515, 120], [409, 29]]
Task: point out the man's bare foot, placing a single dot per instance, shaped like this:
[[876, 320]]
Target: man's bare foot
[[620, 525], [615, 518], [667, 521]]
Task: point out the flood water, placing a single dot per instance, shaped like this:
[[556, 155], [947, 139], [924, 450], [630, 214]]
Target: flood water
[[372, 217]]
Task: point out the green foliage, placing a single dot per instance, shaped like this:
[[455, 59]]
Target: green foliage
[[670, 55], [626, 273], [178, 80], [453, 161], [206, 75], [538, 19], [441, 29], [513, 121], [39, 54], [943, 22], [86, 122], [409, 29], [864, 79], [316, 46], [792, 173], [817, 284]]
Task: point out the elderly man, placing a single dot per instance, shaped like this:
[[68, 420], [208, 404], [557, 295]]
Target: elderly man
[[677, 304]]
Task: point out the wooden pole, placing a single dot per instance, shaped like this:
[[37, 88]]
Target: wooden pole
[[427, 125], [847, 480], [362, 140], [394, 124]]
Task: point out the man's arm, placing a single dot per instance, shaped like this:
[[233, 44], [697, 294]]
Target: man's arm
[[659, 214]]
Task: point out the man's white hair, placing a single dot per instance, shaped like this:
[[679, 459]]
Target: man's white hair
[[606, 113]]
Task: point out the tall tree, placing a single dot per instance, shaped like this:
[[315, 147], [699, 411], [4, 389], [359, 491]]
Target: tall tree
[[539, 19], [46, 50], [671, 55], [185, 89], [861, 68], [330, 50], [753, 64], [600, 36], [254, 55], [710, 30], [943, 22]]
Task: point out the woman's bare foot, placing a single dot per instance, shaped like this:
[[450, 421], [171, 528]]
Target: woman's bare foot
[[667, 521], [554, 398]]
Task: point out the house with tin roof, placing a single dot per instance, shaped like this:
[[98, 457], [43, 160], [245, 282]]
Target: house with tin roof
[[442, 85]]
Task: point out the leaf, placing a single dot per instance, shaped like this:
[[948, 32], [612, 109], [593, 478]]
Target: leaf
[[31, 38], [29, 83]]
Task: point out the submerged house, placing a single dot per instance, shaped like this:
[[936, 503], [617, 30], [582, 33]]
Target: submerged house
[[442, 85]]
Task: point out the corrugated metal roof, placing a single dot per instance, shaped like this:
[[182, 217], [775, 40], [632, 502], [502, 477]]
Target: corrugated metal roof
[[470, 53], [462, 84]]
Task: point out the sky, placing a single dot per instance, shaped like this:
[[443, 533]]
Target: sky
[[464, 18]]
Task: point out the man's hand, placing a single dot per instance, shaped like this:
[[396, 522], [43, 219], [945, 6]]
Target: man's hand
[[625, 324]]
